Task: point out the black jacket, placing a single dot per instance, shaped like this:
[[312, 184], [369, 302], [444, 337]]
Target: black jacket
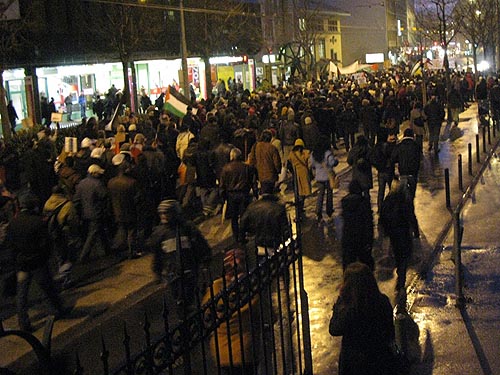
[[266, 219], [407, 155]]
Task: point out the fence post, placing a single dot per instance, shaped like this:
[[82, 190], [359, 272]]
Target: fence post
[[447, 187], [469, 150], [478, 156], [304, 298], [489, 134], [457, 256], [460, 179]]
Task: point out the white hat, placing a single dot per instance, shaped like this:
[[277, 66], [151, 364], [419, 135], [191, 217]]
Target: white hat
[[86, 142], [95, 169], [132, 128], [308, 121], [96, 153], [118, 159]]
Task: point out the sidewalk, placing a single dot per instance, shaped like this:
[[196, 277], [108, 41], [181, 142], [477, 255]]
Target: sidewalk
[[103, 290], [463, 341]]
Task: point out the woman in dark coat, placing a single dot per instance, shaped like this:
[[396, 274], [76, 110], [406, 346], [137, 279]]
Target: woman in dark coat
[[359, 159], [362, 315]]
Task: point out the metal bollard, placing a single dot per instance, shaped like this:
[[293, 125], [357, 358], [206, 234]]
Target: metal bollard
[[460, 176], [447, 187], [478, 156], [484, 139], [469, 149]]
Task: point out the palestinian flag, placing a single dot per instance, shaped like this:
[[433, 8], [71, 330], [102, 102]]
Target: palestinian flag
[[175, 103]]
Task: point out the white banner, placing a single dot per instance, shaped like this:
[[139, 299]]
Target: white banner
[[9, 10]]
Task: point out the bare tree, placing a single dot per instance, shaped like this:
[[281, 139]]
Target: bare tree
[[476, 23], [222, 27], [124, 30], [15, 40], [435, 17]]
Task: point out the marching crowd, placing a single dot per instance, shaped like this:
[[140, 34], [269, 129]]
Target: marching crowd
[[126, 188]]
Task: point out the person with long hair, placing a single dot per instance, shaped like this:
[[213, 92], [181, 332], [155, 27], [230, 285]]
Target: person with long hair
[[362, 315], [322, 162]]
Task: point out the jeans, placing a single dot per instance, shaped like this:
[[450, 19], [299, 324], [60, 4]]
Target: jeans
[[322, 187], [44, 280], [237, 202]]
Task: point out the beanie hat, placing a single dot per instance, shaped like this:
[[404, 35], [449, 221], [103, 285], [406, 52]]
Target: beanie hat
[[308, 121], [86, 143], [94, 169], [170, 208], [299, 142]]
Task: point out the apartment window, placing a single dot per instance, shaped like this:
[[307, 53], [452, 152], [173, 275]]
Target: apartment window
[[321, 48], [333, 25]]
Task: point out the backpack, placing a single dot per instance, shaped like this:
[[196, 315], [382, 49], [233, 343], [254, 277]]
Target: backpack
[[53, 225]]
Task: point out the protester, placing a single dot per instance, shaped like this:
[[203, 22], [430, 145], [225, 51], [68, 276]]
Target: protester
[[434, 112], [359, 158], [299, 159], [322, 162], [362, 315], [28, 239], [266, 160]]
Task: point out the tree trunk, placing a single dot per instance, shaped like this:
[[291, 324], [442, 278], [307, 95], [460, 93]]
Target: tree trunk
[[126, 86], [133, 89], [474, 57], [3, 110], [208, 77]]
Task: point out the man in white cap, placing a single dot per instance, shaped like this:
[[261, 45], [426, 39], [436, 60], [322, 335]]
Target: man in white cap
[[91, 201]]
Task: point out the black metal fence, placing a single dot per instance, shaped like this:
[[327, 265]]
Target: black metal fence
[[253, 324]]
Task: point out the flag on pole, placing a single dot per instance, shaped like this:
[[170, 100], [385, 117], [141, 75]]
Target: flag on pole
[[417, 69], [175, 103]]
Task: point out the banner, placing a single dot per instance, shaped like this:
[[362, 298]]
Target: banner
[[9, 10]]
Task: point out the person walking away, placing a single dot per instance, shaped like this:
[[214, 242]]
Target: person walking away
[[417, 124], [68, 102], [369, 121], [322, 162], [359, 158], [236, 345], [298, 160], [267, 220], [62, 224], [266, 159], [206, 181], [380, 158], [350, 124], [288, 133], [455, 105], [357, 230], [407, 155], [28, 239], [434, 112], [13, 117], [362, 315], [82, 101], [236, 180], [179, 250], [395, 222], [91, 200]]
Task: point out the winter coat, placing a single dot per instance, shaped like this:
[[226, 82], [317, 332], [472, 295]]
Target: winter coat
[[321, 168], [369, 118], [289, 132], [299, 161], [267, 219], [205, 168], [359, 159], [380, 157], [28, 240], [366, 336], [416, 113], [236, 176], [310, 135], [92, 199], [210, 132], [182, 143], [407, 155], [67, 218], [349, 121], [435, 114], [266, 159], [124, 196], [358, 221]]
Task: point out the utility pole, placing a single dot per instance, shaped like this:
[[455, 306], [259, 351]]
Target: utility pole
[[185, 83]]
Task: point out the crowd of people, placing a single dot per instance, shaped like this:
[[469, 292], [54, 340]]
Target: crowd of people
[[229, 154]]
